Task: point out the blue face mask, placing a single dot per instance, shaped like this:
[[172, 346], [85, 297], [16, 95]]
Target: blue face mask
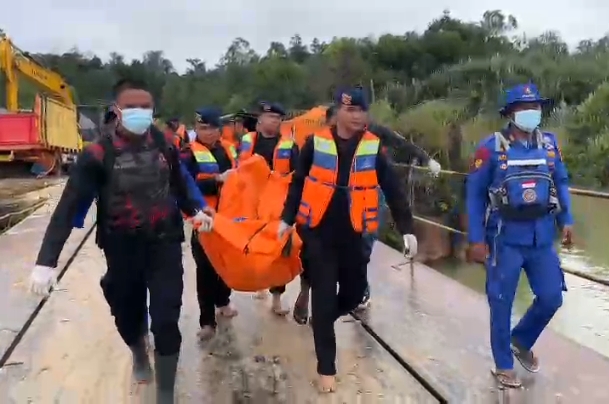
[[136, 120], [527, 120]]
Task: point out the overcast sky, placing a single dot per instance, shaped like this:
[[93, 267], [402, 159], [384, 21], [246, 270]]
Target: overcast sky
[[204, 28]]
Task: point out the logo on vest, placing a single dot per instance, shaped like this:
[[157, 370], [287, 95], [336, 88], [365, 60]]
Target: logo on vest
[[529, 195]]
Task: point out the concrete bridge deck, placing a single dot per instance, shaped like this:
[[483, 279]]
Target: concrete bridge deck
[[437, 329]]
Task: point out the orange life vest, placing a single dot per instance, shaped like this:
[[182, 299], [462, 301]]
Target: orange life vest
[[180, 137], [228, 134], [281, 156], [320, 184], [208, 166]]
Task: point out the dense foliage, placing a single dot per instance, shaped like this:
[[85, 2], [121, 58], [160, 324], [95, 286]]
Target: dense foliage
[[449, 76]]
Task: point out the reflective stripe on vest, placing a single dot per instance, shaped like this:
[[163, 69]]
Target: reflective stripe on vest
[[208, 166], [363, 183], [281, 155]]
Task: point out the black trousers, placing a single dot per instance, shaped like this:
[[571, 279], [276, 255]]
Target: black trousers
[[328, 264], [136, 265], [212, 292]]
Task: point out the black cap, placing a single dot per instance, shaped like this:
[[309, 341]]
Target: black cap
[[271, 107]]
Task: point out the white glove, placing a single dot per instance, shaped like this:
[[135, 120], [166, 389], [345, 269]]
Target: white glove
[[203, 222], [42, 279], [434, 167], [283, 227], [411, 246], [222, 177]]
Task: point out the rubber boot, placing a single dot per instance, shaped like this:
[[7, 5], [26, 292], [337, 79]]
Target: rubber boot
[[142, 372], [165, 368]]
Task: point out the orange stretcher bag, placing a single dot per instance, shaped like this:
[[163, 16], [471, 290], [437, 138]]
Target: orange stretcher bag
[[244, 247]]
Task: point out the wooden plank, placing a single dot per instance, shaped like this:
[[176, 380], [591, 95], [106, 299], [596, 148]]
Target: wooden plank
[[442, 328], [19, 249], [73, 354]]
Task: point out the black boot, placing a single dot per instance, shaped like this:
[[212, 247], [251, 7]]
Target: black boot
[[165, 372], [142, 372]]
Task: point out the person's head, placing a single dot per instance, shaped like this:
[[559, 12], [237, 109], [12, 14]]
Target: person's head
[[156, 120], [239, 127], [133, 106], [331, 115], [173, 124], [523, 107], [269, 118], [207, 125], [109, 121], [351, 110]]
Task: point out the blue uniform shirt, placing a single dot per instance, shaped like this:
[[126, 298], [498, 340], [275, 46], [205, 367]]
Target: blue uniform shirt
[[486, 170]]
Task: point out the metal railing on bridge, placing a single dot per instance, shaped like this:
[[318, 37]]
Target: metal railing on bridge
[[439, 201]]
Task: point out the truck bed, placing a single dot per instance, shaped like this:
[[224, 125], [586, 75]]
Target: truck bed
[[19, 131]]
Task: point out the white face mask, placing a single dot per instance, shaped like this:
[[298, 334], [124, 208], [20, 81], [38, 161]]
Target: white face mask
[[136, 120], [527, 120]]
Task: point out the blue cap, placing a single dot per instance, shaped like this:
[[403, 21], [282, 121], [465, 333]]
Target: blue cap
[[522, 93], [271, 107], [353, 97], [209, 115]]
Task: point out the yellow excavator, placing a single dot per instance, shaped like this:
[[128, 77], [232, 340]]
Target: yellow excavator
[[48, 135]]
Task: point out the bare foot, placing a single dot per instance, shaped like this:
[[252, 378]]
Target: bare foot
[[227, 311], [327, 384], [277, 307], [206, 333], [261, 295]]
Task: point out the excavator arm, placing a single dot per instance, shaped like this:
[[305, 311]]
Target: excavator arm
[[14, 62]]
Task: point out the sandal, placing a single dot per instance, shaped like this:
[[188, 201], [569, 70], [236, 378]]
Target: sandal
[[301, 311], [527, 358], [507, 378]]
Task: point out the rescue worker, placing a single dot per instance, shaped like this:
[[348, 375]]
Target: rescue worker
[[517, 192], [334, 196], [410, 153], [301, 305], [234, 130], [141, 189], [210, 161], [281, 154], [178, 131]]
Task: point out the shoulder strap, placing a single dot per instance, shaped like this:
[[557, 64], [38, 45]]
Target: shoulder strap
[[501, 143], [109, 156], [165, 147]]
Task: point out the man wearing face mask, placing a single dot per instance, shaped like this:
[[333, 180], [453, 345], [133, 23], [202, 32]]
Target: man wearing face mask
[[334, 197], [210, 161], [137, 176], [517, 192], [280, 153]]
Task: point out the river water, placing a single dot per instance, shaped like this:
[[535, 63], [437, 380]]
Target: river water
[[584, 316]]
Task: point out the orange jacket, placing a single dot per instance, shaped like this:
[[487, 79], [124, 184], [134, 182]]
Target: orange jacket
[[208, 166], [281, 157], [363, 187]]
